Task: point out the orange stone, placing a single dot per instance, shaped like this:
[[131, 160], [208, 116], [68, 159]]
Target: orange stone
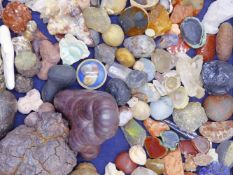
[[180, 12], [155, 128], [173, 163], [208, 50]]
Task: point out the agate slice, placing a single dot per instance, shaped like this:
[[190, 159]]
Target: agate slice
[[154, 148], [134, 20], [193, 32]]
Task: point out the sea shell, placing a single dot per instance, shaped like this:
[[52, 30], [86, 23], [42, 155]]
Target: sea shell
[[91, 73], [72, 50], [146, 4]]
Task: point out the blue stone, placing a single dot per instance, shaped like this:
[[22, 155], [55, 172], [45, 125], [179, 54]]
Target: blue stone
[[215, 168], [170, 139], [167, 41]]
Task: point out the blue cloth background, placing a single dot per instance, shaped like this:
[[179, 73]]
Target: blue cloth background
[[111, 148]]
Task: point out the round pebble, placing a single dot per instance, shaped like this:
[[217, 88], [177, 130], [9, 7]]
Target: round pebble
[[136, 79], [125, 57], [141, 110]]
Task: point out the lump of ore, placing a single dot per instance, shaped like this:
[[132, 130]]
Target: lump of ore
[[217, 77]]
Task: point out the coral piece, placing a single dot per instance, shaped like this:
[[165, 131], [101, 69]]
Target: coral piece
[[154, 148], [146, 4], [90, 127], [43, 148], [180, 12], [16, 16], [224, 43], [155, 128], [124, 163], [187, 148], [110, 169], [8, 106], [180, 47], [217, 132], [84, 169], [173, 163], [156, 165], [113, 7], [170, 139], [125, 115], [125, 57], [137, 154], [225, 151], [105, 53], [190, 74], [215, 168], [23, 84], [201, 144]]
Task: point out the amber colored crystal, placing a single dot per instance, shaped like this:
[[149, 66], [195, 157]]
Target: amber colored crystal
[[180, 47], [187, 147], [208, 50], [154, 148], [155, 128], [159, 20], [16, 16]]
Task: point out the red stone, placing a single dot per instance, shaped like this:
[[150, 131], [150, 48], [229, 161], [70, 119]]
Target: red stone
[[187, 147], [154, 148], [201, 144], [180, 47], [208, 50], [124, 163]]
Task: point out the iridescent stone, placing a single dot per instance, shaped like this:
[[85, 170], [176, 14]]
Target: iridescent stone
[[201, 144], [191, 117], [170, 139], [155, 128], [225, 152], [144, 171], [105, 53], [134, 133], [208, 50], [136, 79], [180, 47], [156, 165], [193, 32], [134, 20], [217, 132], [163, 60], [180, 12], [168, 40], [116, 70], [159, 21], [215, 168], [154, 148], [187, 147], [217, 77]]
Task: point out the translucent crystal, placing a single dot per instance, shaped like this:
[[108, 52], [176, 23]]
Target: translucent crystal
[[116, 70]]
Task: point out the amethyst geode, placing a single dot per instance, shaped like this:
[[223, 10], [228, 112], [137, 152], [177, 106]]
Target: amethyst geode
[[94, 118]]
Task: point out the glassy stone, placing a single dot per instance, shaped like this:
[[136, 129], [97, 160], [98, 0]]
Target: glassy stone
[[116, 70]]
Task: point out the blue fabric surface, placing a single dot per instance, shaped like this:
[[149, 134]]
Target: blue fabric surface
[[111, 148]]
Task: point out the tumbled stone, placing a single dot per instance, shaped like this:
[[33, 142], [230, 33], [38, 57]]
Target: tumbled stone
[[179, 98], [215, 168], [125, 115], [137, 154], [119, 90], [196, 4], [217, 132], [219, 107], [136, 79], [23, 84], [156, 165], [217, 77], [191, 117], [168, 40], [125, 57], [140, 46], [141, 110], [105, 53], [116, 70], [225, 152], [144, 171], [170, 139], [180, 12]]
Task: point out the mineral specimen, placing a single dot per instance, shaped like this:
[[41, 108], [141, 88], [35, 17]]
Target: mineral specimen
[[193, 32], [23, 84], [187, 147], [134, 133], [224, 151], [146, 4], [217, 132], [8, 106], [116, 70], [125, 57], [124, 163], [144, 171], [168, 40], [180, 98], [224, 43], [170, 139], [113, 7], [171, 81], [110, 169], [84, 169], [97, 19], [16, 16], [219, 107], [72, 50], [105, 53], [215, 168], [140, 46], [119, 90], [43, 148], [59, 77], [201, 144], [180, 12], [190, 74], [90, 127], [156, 165], [136, 79], [155, 128], [191, 117], [137, 154], [125, 115], [141, 110], [30, 102], [134, 20], [217, 77], [114, 36]]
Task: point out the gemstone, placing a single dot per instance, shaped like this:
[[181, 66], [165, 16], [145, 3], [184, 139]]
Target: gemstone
[[105, 53], [219, 107], [217, 132], [154, 148], [180, 47], [136, 79], [179, 98], [156, 165], [187, 147], [201, 144], [170, 139], [119, 90], [168, 40], [134, 20], [225, 152], [191, 117], [208, 50], [215, 168], [180, 12], [125, 57], [137, 154], [125, 115], [144, 171], [193, 32], [141, 110], [217, 77], [173, 163], [155, 128], [134, 133], [124, 163], [162, 108]]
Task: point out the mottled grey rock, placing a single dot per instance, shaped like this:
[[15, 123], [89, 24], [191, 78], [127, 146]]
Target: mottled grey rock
[[217, 77], [119, 90], [8, 108], [95, 36], [40, 149], [225, 152], [136, 79], [140, 46], [23, 84], [105, 53]]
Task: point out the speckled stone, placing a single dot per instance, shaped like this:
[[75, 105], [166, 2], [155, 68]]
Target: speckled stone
[[217, 77], [119, 90], [105, 53], [23, 84], [136, 79]]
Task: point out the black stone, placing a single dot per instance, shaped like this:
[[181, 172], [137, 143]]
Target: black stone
[[119, 90]]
